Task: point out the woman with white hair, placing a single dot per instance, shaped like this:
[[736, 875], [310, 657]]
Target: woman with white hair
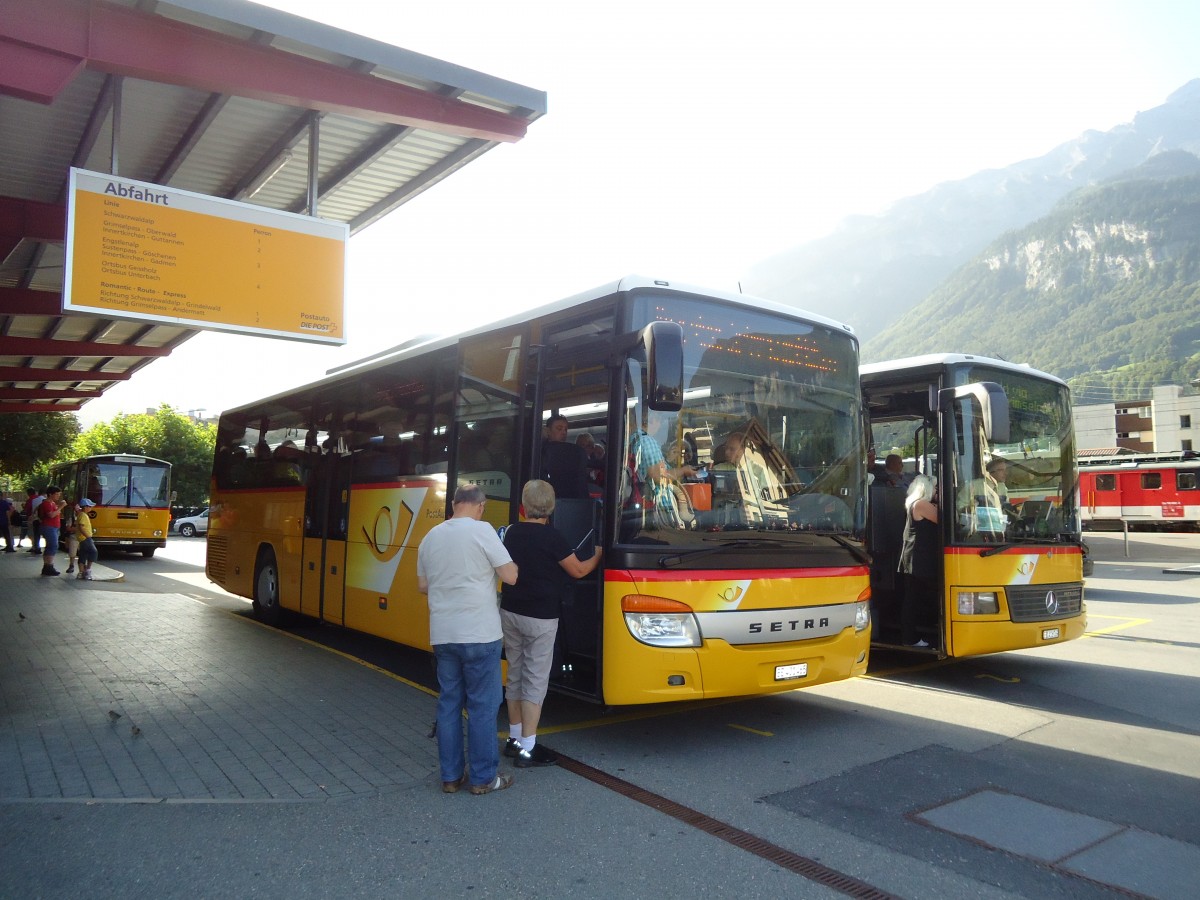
[[529, 613], [920, 557]]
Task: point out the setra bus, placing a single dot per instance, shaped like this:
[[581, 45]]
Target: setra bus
[[1144, 490], [132, 495], [999, 438], [740, 576]]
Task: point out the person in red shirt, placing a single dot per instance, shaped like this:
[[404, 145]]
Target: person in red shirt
[[49, 514]]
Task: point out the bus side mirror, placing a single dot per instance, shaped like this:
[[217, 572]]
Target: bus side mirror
[[993, 407], [664, 365]]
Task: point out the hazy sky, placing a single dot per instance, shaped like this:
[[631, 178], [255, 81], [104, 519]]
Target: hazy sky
[[690, 140]]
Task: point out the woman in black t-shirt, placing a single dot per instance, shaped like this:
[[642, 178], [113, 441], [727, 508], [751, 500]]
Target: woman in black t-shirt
[[529, 612]]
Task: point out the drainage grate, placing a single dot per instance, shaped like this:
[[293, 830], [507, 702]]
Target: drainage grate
[[793, 862]]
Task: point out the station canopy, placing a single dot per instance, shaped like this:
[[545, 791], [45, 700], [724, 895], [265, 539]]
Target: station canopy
[[220, 97]]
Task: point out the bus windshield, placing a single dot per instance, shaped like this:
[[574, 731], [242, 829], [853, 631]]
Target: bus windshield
[[769, 438], [118, 483], [1023, 489]]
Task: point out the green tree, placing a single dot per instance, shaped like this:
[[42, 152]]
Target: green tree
[[28, 441], [165, 434]]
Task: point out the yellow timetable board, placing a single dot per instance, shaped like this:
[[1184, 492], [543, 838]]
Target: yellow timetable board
[[147, 252]]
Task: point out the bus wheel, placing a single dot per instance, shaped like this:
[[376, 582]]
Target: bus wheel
[[266, 590], [148, 552]]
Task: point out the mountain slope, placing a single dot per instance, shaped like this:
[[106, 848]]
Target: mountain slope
[[874, 268], [1107, 286]]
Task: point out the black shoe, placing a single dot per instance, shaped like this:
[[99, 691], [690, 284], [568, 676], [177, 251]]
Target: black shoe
[[538, 756], [51, 572], [512, 748]]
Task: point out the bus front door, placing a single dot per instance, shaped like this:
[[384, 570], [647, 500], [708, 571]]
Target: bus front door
[[575, 381]]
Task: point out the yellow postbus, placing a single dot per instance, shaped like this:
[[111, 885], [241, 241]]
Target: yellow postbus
[[743, 575], [132, 495], [1000, 440]]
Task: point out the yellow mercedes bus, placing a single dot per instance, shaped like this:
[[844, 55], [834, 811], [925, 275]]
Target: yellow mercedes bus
[[132, 495], [744, 575], [1000, 440]]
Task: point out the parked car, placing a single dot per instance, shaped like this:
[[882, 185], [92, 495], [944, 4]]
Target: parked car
[[190, 526]]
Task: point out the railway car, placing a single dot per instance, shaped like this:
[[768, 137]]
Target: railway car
[[1145, 490]]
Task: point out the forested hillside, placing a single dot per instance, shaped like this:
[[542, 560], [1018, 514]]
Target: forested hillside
[[1105, 290], [873, 269]]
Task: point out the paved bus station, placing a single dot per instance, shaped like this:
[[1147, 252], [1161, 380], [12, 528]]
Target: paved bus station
[[163, 743]]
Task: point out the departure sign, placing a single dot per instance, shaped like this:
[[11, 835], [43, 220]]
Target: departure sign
[[147, 252]]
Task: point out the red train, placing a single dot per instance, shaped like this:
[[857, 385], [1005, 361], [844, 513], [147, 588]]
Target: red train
[[1147, 490]]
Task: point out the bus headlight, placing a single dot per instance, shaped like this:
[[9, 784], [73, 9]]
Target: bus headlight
[[862, 616], [978, 603], [660, 622]]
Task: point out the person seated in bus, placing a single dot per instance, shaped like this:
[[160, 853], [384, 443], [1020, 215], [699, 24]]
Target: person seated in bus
[[286, 469], [476, 456], [239, 467], [893, 471], [982, 509], [262, 450], [920, 558], [750, 477], [997, 467]]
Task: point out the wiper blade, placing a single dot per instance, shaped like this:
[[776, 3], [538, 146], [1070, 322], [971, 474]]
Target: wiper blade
[[993, 549], [675, 559], [856, 551]]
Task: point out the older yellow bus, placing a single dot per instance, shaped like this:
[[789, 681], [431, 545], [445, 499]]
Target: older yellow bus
[[132, 495], [999, 439], [741, 575]]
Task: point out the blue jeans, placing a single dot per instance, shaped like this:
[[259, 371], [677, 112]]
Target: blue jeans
[[49, 540], [469, 678]]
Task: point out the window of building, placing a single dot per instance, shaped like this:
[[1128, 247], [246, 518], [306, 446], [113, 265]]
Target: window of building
[[1185, 421], [1151, 481], [1185, 446], [1106, 482]]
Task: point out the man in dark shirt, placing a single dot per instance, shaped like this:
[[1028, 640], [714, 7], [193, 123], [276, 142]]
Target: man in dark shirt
[[564, 464]]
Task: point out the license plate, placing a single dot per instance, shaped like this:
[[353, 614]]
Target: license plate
[[1050, 634], [787, 673]]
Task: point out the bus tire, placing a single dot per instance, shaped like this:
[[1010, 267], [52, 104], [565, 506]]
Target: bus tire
[[266, 589], [148, 552]]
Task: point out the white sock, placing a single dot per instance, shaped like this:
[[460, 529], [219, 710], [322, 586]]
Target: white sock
[[514, 731], [528, 741]]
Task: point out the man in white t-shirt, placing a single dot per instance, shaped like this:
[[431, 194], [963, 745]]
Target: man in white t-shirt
[[458, 563]]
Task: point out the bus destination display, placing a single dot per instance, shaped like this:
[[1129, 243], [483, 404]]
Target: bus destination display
[[147, 252]]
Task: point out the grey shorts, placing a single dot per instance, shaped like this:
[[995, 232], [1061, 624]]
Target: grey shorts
[[529, 649]]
